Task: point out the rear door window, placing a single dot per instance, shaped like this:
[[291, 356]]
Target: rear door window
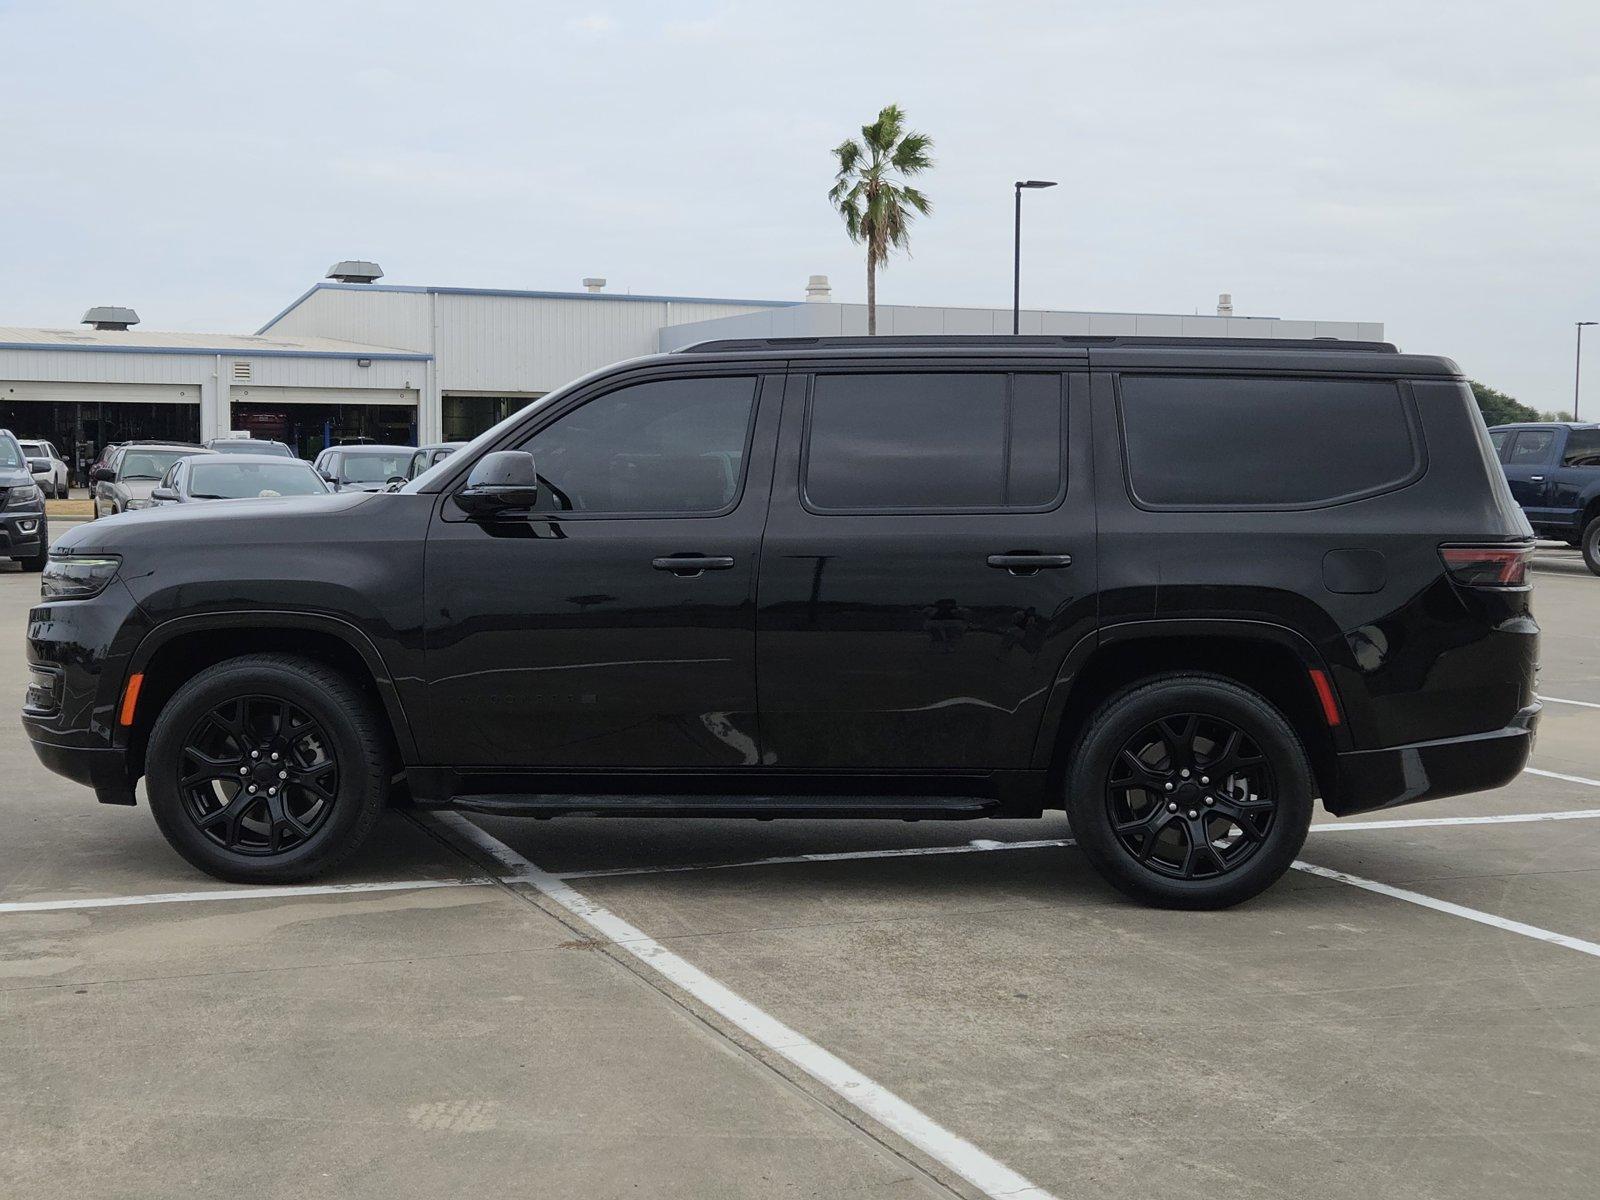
[[934, 442], [1231, 442], [1532, 446], [1583, 449], [1500, 439]]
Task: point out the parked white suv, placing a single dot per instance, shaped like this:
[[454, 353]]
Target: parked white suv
[[52, 479]]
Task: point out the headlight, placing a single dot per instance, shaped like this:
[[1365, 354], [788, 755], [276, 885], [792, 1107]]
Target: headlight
[[134, 505], [68, 578], [26, 496]]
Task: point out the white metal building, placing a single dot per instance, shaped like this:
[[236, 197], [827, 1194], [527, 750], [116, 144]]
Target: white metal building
[[423, 364]]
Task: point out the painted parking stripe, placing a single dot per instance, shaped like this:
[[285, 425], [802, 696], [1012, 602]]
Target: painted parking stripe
[[1455, 910], [254, 893], [1578, 703], [1559, 775], [981, 845], [972, 847], [990, 1176]]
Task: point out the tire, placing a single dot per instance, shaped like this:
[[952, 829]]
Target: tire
[[35, 564], [337, 772], [1591, 545], [1255, 819]]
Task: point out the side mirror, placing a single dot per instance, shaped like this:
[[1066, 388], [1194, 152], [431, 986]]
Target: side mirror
[[39, 465], [500, 482], [102, 474], [165, 494]]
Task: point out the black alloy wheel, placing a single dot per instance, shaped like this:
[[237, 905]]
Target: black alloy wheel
[[258, 775], [1189, 791], [268, 768], [1191, 796]]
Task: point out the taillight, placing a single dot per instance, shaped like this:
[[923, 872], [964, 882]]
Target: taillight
[[1487, 566]]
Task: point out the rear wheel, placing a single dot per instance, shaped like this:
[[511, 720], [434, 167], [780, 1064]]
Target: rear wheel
[[1591, 545], [267, 769], [1190, 792]]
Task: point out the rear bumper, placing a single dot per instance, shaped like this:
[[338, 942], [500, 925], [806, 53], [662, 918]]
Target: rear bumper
[[1366, 780]]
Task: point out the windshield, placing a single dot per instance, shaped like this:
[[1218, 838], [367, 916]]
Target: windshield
[[237, 480], [251, 446], [10, 453], [149, 464], [375, 468]]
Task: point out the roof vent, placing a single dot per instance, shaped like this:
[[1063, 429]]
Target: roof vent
[[817, 289], [1225, 304], [594, 284], [110, 317], [353, 270]]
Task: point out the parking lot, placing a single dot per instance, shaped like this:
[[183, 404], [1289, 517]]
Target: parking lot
[[731, 1008]]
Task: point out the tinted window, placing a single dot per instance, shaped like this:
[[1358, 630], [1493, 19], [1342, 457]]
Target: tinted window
[[668, 446], [934, 441], [1583, 449], [1500, 438], [1265, 443], [236, 480], [1532, 446]]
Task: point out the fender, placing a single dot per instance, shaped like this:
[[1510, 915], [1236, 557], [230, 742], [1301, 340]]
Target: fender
[[351, 635], [1129, 631]]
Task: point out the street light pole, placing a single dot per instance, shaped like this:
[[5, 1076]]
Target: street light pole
[[1016, 251], [1577, 368]]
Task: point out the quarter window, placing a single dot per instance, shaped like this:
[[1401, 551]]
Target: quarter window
[[1532, 446], [669, 446], [1218, 442], [934, 442], [1583, 449]]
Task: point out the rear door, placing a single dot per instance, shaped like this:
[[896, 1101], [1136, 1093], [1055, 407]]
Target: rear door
[[1576, 476], [928, 561], [1529, 464]]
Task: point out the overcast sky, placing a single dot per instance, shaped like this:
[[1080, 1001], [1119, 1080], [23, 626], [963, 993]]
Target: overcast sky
[[1434, 166]]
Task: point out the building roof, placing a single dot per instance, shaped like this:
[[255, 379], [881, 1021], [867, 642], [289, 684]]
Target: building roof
[[150, 341], [329, 286]]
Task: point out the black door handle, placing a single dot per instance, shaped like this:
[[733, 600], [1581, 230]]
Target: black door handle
[[1029, 564], [690, 565]]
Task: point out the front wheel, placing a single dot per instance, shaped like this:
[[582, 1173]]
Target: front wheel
[[1190, 791], [1591, 545], [269, 768]]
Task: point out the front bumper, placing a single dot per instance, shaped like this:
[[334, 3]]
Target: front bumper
[[103, 768], [1366, 780], [23, 534]]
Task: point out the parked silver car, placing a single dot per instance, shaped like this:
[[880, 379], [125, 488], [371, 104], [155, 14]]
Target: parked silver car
[[237, 477], [369, 468], [46, 466], [123, 483]]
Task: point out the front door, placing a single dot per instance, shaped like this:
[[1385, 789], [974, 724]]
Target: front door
[[928, 562], [614, 625]]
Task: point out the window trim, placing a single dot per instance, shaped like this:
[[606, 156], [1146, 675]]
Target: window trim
[[611, 385], [1408, 408], [811, 376]]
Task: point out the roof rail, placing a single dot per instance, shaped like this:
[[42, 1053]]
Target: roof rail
[[1026, 341]]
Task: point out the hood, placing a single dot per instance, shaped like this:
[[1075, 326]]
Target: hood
[[139, 489], [277, 519]]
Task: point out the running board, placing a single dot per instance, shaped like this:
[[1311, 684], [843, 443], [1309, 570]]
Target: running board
[[765, 808]]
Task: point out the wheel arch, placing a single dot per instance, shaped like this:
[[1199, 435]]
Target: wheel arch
[[1270, 659], [175, 650]]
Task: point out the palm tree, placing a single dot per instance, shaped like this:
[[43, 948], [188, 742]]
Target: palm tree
[[872, 195]]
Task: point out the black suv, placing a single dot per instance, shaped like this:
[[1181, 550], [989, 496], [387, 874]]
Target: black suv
[[1178, 587], [24, 528], [1554, 472]]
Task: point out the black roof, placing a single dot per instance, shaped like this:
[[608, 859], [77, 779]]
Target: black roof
[[1026, 341]]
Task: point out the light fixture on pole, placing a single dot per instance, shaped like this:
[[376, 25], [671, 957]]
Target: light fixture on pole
[[1577, 369], [1016, 251]]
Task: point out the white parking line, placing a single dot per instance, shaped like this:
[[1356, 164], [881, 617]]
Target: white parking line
[[255, 893], [1559, 775], [1579, 703], [1455, 910], [972, 847], [990, 1176]]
